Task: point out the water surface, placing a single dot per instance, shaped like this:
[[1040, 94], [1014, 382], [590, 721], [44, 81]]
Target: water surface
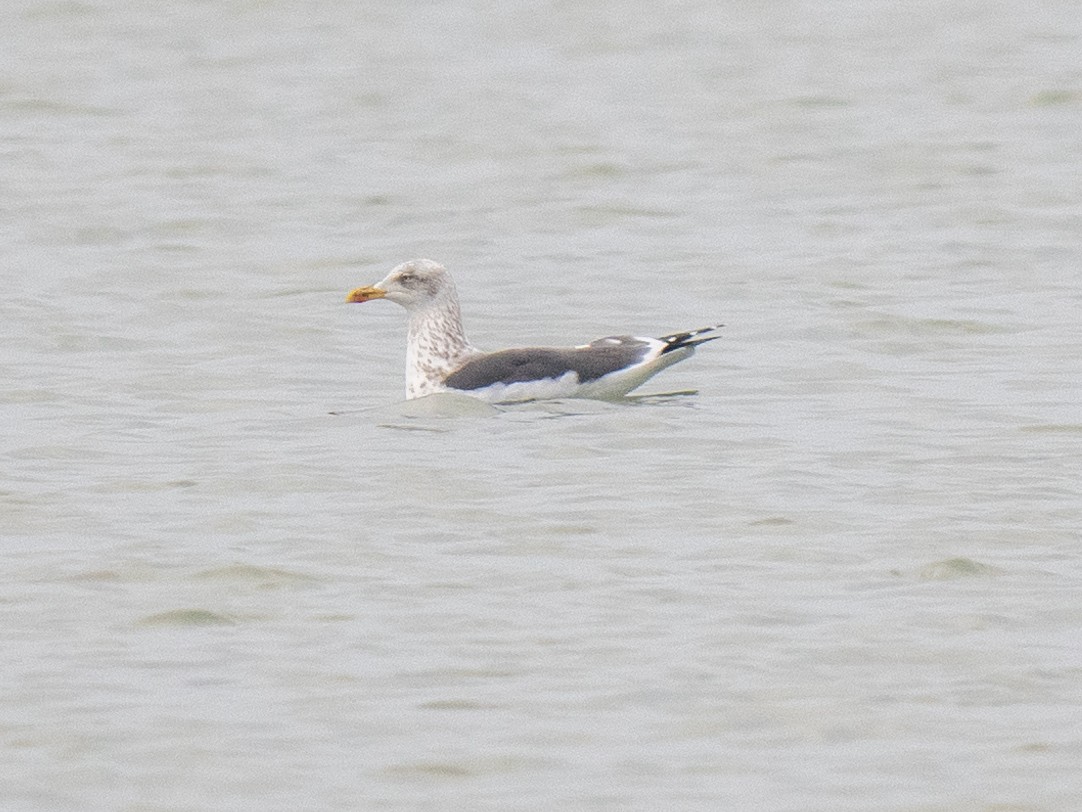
[[241, 574]]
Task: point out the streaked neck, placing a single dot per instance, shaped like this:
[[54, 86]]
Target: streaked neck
[[435, 346]]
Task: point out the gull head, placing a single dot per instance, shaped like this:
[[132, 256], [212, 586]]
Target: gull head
[[416, 285]]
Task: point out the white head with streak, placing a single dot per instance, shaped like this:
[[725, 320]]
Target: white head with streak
[[436, 343]]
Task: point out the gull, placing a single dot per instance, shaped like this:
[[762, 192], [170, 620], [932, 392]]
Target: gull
[[439, 357]]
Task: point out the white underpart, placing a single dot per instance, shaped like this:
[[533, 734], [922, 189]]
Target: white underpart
[[543, 389]]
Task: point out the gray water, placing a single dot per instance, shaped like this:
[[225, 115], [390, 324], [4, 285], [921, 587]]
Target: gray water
[[240, 574]]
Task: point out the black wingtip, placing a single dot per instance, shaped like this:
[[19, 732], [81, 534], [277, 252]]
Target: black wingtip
[[689, 338]]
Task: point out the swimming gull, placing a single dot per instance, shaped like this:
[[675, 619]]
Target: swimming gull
[[439, 358]]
